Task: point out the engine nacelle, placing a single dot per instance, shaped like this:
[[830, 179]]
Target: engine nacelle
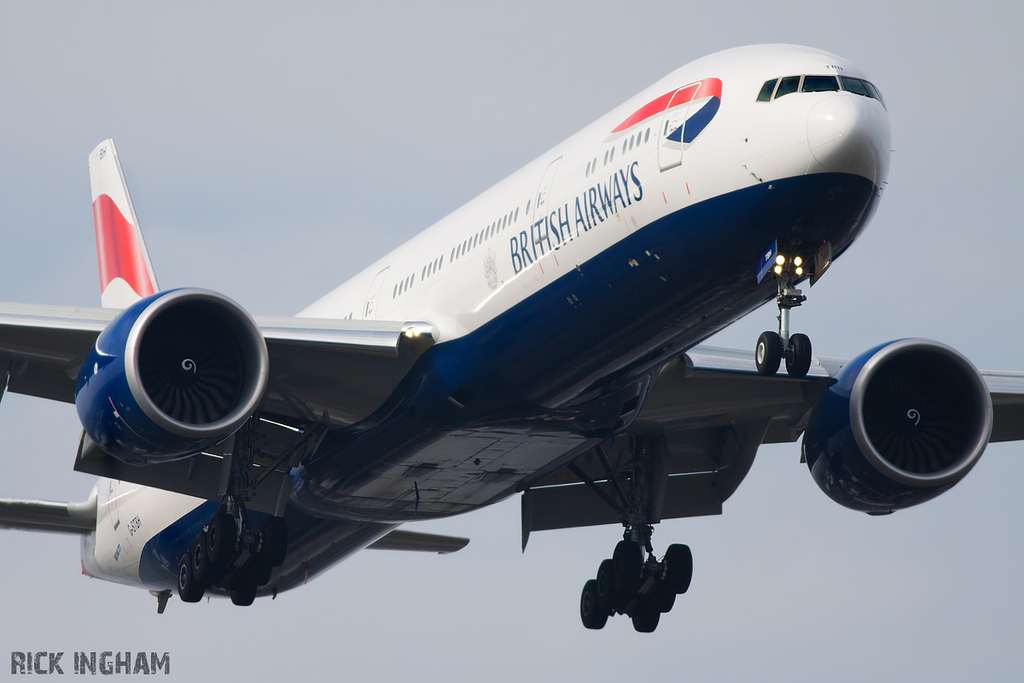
[[903, 422], [171, 375]]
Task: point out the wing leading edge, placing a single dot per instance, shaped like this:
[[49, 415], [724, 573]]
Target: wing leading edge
[[342, 368]]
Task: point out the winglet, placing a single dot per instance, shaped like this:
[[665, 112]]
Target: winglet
[[126, 274]]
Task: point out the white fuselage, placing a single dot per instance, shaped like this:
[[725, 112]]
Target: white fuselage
[[538, 224]]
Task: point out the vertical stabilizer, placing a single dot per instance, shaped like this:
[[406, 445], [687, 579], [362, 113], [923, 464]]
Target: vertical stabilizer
[[126, 274]]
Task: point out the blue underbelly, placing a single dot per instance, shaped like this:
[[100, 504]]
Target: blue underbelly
[[457, 432]]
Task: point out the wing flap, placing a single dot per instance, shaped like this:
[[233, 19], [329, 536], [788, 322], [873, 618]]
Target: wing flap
[[415, 541]]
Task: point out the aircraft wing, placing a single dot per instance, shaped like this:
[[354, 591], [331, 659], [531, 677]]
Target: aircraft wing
[[725, 382], [713, 410], [40, 515], [343, 369], [323, 373]]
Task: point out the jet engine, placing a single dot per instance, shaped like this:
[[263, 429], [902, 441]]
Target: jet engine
[[902, 423], [171, 375]]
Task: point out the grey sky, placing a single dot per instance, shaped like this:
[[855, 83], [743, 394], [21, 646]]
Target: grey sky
[[272, 150]]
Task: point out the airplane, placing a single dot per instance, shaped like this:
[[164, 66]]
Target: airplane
[[544, 340]]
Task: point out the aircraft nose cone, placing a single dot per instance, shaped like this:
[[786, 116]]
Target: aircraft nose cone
[[845, 133]]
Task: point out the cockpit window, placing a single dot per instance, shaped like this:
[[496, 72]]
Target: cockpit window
[[874, 92], [854, 85], [766, 90], [790, 84], [787, 85], [861, 87], [820, 84]]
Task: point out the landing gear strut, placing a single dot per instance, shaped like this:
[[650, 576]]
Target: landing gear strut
[[634, 581], [772, 347], [229, 553]]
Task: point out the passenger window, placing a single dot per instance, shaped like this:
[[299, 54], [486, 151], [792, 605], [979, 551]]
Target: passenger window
[[517, 214], [647, 135], [631, 141], [624, 146], [395, 292], [606, 157], [875, 93], [787, 85], [528, 206], [766, 90], [612, 155], [820, 84]]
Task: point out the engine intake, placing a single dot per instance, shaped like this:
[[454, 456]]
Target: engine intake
[[171, 375], [903, 422]]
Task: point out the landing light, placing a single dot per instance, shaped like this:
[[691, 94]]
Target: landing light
[[799, 271], [798, 262], [778, 270], [779, 260]]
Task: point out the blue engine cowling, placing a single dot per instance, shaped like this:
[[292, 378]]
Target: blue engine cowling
[[902, 423], [171, 375]]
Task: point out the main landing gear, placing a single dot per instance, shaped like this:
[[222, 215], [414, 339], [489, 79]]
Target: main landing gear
[[228, 554], [642, 588], [772, 347], [634, 581]]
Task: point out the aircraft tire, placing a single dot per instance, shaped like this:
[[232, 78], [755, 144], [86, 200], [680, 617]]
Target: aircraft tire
[[274, 541], [201, 569], [591, 614], [628, 562], [220, 539], [189, 590], [607, 597], [260, 572], [646, 618], [799, 362], [768, 353], [662, 598], [243, 593], [679, 567]]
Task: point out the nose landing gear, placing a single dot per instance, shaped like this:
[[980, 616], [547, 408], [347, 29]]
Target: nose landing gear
[[772, 347]]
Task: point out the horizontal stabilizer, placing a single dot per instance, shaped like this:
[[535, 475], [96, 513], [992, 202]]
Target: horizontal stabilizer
[[418, 542], [40, 515]]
